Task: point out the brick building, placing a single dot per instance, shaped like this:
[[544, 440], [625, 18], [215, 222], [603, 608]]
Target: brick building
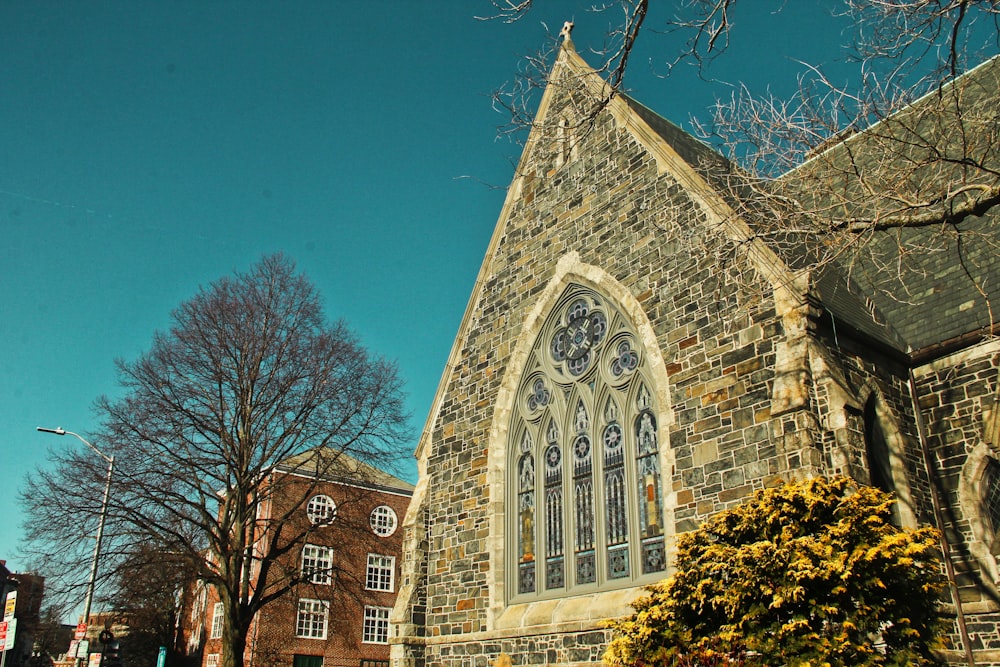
[[29, 589], [337, 614], [610, 386]]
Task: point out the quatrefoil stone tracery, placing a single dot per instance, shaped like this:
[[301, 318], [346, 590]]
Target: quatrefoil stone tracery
[[575, 344]]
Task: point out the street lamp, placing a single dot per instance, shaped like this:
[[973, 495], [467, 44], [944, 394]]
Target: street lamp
[[104, 514]]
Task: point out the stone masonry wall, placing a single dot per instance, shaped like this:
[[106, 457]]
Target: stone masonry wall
[[613, 208], [757, 390], [955, 393], [867, 372]]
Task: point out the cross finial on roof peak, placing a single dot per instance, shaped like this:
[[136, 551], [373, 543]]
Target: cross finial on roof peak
[[566, 30]]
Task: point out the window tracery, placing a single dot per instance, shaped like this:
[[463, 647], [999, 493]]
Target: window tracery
[[584, 436]]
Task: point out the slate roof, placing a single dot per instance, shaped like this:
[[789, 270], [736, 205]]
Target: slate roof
[[928, 298], [343, 468]]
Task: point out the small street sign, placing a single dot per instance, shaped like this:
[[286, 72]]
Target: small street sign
[[3, 633], [95, 660], [10, 605], [82, 648], [81, 631], [11, 634]]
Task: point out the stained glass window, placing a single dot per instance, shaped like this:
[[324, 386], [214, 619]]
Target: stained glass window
[[585, 445], [526, 515], [554, 574], [650, 488], [615, 500]]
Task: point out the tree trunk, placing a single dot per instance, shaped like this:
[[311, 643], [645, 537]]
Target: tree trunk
[[234, 643]]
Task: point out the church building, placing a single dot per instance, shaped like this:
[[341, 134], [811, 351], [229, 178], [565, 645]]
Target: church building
[[613, 384]]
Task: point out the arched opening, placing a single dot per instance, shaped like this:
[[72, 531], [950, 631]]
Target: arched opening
[[584, 457]]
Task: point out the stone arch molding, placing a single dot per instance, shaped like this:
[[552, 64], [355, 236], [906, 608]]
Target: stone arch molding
[[588, 606], [896, 446], [983, 534], [843, 401]]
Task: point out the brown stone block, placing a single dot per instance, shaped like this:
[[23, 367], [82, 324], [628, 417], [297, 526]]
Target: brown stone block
[[688, 342], [695, 390], [728, 405], [929, 401], [749, 366], [467, 603], [713, 397], [737, 493], [707, 424], [685, 497]]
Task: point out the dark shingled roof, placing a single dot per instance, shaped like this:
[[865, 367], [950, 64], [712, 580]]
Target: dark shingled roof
[[930, 296], [929, 299]]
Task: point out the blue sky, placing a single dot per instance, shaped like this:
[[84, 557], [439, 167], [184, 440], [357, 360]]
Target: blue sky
[[150, 147]]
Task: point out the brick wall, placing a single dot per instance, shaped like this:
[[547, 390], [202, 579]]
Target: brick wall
[[272, 640]]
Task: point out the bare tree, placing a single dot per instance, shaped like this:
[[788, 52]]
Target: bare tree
[[151, 590], [249, 376], [875, 176]]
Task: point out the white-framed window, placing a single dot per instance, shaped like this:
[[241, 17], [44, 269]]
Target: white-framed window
[[584, 472], [310, 622], [383, 520], [216, 632], [197, 617], [381, 573], [321, 510], [212, 660], [376, 625], [317, 564]]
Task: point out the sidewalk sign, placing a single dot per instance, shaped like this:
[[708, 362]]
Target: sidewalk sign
[[10, 605], [11, 634]]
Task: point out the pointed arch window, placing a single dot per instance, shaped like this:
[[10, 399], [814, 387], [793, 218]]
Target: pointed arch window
[[584, 438], [884, 454], [877, 449]]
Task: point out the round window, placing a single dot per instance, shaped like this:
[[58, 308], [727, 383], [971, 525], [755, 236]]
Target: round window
[[321, 510], [383, 520]]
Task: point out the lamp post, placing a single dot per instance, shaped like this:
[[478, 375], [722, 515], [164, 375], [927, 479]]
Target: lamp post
[[104, 513]]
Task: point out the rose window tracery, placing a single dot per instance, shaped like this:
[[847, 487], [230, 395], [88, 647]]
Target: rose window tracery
[[575, 344], [586, 402]]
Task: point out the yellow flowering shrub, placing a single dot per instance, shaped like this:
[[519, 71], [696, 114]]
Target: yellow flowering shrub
[[809, 574]]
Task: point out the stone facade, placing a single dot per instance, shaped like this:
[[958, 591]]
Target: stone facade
[[750, 385]]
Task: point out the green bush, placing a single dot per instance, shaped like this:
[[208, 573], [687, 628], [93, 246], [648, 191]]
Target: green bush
[[811, 573]]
